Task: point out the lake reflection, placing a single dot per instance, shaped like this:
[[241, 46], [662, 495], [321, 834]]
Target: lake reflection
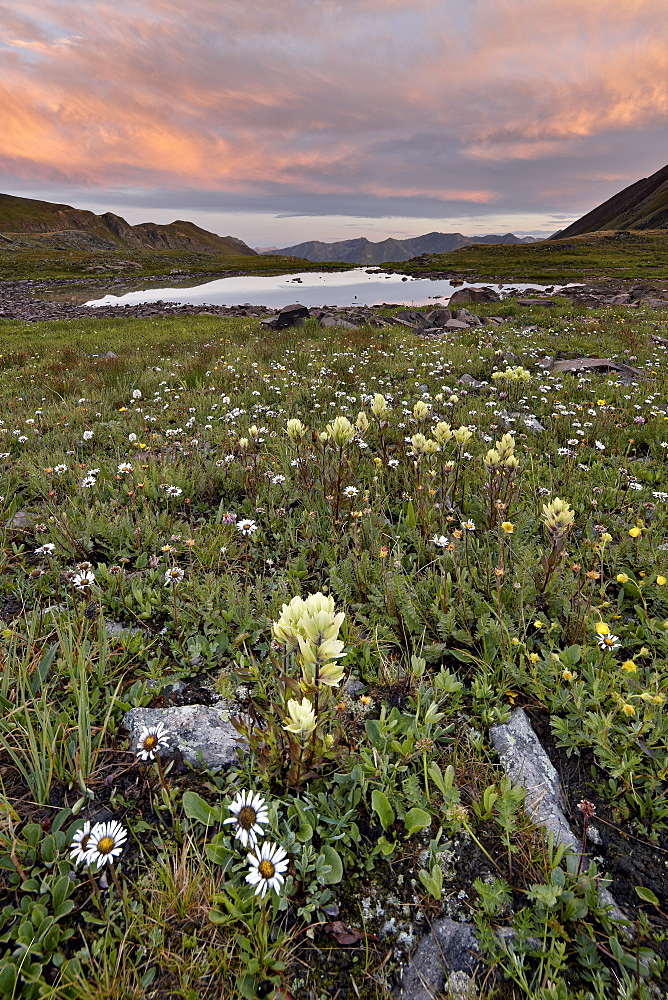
[[360, 286]]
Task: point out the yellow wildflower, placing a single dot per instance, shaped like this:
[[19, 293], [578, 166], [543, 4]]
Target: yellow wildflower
[[635, 532], [508, 528], [661, 581], [622, 578], [629, 666], [602, 628], [628, 709]]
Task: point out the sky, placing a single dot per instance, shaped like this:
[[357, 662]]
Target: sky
[[279, 121]]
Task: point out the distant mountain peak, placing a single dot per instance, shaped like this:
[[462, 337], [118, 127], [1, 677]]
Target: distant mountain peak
[[363, 251]]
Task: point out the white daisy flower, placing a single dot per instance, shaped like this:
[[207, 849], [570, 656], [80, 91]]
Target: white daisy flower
[[609, 641], [151, 740], [125, 467], [106, 843], [246, 526], [249, 812], [266, 868], [174, 575], [440, 540], [80, 844], [83, 580]]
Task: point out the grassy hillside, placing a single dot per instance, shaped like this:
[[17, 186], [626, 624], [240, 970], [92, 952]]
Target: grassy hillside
[[64, 227], [643, 205], [632, 256]]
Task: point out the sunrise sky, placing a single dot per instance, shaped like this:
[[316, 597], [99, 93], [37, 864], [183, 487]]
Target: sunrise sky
[[279, 121]]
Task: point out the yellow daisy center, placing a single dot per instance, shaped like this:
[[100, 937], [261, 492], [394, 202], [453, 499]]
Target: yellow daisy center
[[105, 845], [246, 817], [150, 741], [266, 868]]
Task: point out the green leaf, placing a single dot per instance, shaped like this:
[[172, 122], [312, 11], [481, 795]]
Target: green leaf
[[8, 980], [334, 861], [42, 669], [381, 805], [646, 895], [416, 819], [196, 808]]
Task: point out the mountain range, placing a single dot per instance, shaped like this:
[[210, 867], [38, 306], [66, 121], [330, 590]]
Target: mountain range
[[26, 222], [363, 251], [643, 205]]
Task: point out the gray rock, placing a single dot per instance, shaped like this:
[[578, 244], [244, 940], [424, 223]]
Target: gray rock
[[21, 521], [536, 302], [438, 317], [292, 315], [204, 736], [474, 295], [527, 764], [117, 629], [413, 317], [337, 321], [451, 947], [466, 317], [456, 324], [472, 383], [512, 421]]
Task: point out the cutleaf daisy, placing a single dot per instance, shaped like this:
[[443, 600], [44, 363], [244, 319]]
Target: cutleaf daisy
[[105, 843], [152, 739], [266, 868], [249, 813]]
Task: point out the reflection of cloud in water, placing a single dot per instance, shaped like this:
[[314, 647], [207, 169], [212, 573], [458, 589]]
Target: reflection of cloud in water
[[311, 288]]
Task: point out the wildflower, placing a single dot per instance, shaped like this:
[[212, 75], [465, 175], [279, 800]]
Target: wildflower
[[302, 718], [350, 491], [45, 550], [468, 525], [174, 575], [420, 410], [558, 517], [83, 580], [628, 709], [538, 624], [507, 527], [661, 581], [568, 675], [172, 491], [440, 540], [151, 740], [379, 405], [341, 431], [587, 808], [249, 812], [266, 868], [79, 845], [629, 666], [622, 578], [635, 532], [87, 435], [60, 469], [534, 657], [295, 429], [246, 526], [229, 518], [599, 445], [602, 628], [124, 467], [609, 641], [105, 843]]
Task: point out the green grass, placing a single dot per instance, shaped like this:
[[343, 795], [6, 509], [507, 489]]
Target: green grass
[[632, 256], [395, 810], [39, 264]]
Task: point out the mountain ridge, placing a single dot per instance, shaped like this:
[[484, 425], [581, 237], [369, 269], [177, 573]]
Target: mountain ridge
[[363, 251], [28, 221], [641, 205]]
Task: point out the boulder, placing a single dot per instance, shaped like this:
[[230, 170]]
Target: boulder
[[413, 318], [468, 295], [438, 317], [293, 315], [466, 317], [536, 302], [450, 947], [203, 736], [455, 324]]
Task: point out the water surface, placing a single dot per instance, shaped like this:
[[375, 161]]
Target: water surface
[[361, 286]]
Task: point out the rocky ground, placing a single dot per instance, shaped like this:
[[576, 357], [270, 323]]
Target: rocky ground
[[36, 301]]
